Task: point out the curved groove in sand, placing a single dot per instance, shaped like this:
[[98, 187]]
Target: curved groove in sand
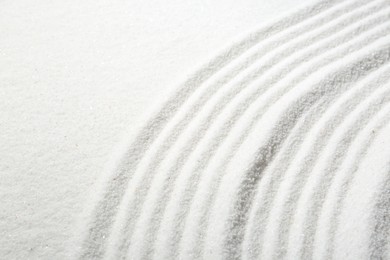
[[243, 156], [327, 122], [216, 138], [269, 148], [160, 152], [368, 134], [181, 153], [317, 184]]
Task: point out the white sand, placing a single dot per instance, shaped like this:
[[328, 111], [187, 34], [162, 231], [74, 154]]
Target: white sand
[[275, 148]]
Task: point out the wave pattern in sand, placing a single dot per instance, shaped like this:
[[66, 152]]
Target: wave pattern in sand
[[259, 154]]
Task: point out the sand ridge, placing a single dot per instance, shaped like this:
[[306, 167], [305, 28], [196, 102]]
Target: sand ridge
[[240, 161]]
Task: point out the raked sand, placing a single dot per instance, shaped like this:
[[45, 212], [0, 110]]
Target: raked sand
[[277, 148]]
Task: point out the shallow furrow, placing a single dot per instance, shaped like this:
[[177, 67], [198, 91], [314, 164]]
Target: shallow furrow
[[156, 161], [286, 198], [113, 186], [328, 120], [260, 145], [183, 151], [238, 135], [322, 174], [266, 154], [358, 154]]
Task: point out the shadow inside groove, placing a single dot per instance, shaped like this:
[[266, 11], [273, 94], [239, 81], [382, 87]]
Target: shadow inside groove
[[379, 240], [266, 153]]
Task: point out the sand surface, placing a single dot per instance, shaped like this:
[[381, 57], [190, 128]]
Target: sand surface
[[203, 130]]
